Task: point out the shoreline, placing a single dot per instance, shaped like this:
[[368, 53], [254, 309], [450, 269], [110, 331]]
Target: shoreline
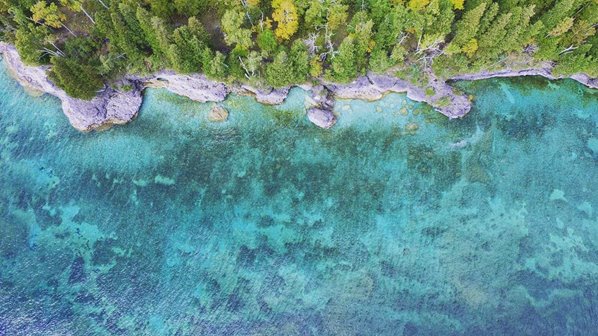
[[117, 107]]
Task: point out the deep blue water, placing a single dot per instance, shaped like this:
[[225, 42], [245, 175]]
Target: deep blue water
[[395, 222]]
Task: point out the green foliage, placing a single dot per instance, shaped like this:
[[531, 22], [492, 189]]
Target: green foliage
[[214, 65], [299, 58], [344, 67], [267, 41], [280, 73], [76, 79], [30, 41], [298, 39], [188, 45]]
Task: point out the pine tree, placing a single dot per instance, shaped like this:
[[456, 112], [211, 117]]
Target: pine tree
[[344, 68], [299, 58], [467, 28], [76, 79], [279, 73]]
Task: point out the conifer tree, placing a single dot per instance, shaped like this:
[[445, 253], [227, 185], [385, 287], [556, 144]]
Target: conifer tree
[[344, 68]]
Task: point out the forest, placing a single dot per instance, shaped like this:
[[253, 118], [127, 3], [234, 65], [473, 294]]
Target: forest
[[275, 43]]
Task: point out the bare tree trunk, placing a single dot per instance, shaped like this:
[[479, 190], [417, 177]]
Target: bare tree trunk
[[67, 28], [103, 4], [87, 14]]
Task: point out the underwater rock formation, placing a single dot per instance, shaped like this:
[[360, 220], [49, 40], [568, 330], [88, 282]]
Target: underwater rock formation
[[218, 114]]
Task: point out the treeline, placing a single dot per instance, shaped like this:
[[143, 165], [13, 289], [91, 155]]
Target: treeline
[[281, 42]]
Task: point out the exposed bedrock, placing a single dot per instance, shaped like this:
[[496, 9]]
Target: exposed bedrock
[[195, 87]]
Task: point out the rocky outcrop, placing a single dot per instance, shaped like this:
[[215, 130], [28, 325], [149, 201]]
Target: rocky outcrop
[[108, 108], [375, 86], [195, 87], [268, 96], [320, 105], [545, 70]]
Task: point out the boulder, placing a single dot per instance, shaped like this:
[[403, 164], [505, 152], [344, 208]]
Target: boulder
[[321, 117], [218, 114]]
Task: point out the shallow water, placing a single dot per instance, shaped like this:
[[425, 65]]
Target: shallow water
[[395, 222]]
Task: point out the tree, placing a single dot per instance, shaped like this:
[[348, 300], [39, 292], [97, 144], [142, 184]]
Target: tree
[[30, 41], [337, 14], [188, 46], [190, 7], [344, 68], [76, 79], [214, 65], [279, 73], [251, 64], [47, 14], [417, 5], [467, 28], [267, 41], [361, 29], [457, 4], [234, 34], [77, 6], [161, 8], [299, 58], [285, 15]]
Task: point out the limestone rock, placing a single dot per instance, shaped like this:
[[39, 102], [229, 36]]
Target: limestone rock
[[361, 88], [218, 114], [322, 118], [195, 87]]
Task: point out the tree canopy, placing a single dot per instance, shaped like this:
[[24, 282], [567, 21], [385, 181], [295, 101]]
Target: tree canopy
[[90, 43]]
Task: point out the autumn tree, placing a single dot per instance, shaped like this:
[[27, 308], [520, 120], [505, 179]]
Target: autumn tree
[[286, 17]]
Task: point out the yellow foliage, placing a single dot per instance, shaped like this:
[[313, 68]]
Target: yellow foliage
[[457, 4], [50, 15], [315, 67], [285, 15], [562, 27], [418, 4], [470, 47]]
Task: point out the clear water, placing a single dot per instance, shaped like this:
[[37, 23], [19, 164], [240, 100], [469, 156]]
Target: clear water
[[395, 222]]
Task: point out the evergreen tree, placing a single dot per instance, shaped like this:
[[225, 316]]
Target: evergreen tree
[[76, 79], [344, 68], [280, 72]]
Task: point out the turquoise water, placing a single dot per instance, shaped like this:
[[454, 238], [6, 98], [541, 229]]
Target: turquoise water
[[395, 222]]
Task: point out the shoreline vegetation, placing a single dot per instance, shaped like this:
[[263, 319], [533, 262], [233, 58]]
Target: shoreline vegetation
[[98, 56]]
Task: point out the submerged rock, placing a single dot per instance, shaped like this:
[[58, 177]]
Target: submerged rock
[[322, 118], [113, 106], [218, 114]]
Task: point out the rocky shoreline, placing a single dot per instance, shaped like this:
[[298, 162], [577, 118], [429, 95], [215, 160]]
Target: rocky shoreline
[[119, 106]]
